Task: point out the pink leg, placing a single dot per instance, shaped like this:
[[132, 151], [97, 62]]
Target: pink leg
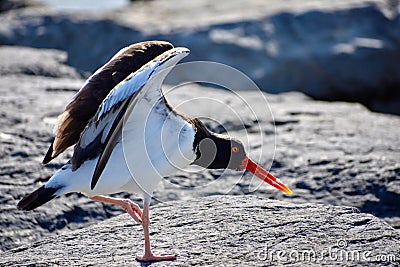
[[148, 255], [128, 205]]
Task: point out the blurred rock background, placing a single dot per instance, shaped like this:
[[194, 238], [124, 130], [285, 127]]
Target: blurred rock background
[[327, 152], [331, 50]]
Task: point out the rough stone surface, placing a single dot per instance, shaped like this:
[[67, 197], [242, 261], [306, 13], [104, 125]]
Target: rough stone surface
[[335, 50], [226, 231], [7, 5], [332, 153], [30, 61]]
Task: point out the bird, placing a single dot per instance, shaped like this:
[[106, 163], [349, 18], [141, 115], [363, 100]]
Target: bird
[[127, 138]]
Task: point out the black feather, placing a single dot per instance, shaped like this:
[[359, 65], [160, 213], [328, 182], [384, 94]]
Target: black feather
[[49, 153], [110, 142], [37, 198]]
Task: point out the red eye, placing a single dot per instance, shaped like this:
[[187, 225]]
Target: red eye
[[235, 149]]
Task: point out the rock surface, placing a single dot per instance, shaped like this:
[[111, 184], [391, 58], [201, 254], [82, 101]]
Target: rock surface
[[332, 153], [335, 50], [30, 61], [7, 5], [226, 231]]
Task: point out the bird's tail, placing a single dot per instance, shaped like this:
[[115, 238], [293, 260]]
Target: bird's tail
[[37, 198], [59, 184]]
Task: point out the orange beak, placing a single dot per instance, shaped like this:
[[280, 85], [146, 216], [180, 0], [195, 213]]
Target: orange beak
[[257, 170]]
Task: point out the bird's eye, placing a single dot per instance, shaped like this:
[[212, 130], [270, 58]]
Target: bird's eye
[[235, 149]]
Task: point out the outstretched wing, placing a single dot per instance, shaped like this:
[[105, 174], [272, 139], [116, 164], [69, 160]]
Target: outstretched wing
[[86, 102], [104, 130]]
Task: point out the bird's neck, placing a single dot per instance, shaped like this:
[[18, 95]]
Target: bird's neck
[[206, 145]]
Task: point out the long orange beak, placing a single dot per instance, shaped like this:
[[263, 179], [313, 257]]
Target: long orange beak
[[257, 170]]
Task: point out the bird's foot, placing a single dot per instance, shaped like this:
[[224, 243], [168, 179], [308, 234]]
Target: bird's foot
[[151, 257], [128, 205], [133, 209]]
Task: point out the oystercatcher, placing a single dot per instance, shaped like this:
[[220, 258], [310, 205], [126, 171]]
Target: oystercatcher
[[127, 137]]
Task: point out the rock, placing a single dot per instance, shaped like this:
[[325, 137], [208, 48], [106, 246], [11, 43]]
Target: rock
[[29, 61], [7, 5], [341, 50], [35, 85], [229, 231], [331, 153]]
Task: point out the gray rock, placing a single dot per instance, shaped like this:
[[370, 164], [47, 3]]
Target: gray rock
[[29, 61], [226, 231], [346, 50], [7, 5]]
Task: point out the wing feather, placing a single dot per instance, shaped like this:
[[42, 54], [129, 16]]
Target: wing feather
[[106, 123], [95, 136], [111, 140], [86, 102], [104, 130]]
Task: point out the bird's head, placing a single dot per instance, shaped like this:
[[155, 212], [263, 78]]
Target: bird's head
[[216, 151]]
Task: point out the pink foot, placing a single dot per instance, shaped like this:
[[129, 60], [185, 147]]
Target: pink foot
[[128, 205], [152, 257], [133, 209]]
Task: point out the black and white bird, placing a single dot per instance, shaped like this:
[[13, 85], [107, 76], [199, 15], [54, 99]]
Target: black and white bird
[[127, 137]]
